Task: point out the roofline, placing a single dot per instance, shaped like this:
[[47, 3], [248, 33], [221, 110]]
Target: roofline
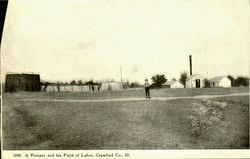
[[194, 75], [173, 81], [23, 73], [222, 77]]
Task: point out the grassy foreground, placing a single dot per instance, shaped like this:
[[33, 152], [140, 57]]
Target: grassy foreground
[[149, 124]]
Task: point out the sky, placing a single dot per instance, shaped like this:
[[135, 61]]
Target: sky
[[93, 39]]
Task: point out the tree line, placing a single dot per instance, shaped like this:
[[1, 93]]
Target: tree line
[[239, 81], [159, 80], [79, 82]]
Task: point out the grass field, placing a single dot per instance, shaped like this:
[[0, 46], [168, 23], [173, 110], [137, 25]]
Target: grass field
[[126, 93], [149, 124]]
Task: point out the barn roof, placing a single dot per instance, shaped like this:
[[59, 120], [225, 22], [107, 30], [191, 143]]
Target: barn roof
[[22, 73], [170, 82], [217, 79]]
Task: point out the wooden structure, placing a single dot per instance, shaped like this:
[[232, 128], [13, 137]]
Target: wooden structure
[[221, 81], [22, 82], [111, 86], [70, 88], [172, 84], [195, 81]]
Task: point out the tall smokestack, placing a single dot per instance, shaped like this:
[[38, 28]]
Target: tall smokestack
[[190, 62]]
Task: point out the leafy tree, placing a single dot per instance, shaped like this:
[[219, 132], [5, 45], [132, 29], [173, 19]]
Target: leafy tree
[[158, 81], [154, 85], [59, 82], [242, 81], [232, 80], [207, 83], [91, 82], [73, 82], [134, 85], [183, 78], [79, 82], [125, 84]]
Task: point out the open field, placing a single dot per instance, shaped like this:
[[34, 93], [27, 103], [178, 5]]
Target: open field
[[148, 124]]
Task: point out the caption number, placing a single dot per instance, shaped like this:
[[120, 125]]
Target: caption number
[[17, 155]]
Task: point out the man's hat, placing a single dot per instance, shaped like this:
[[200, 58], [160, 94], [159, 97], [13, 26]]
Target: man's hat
[[146, 79]]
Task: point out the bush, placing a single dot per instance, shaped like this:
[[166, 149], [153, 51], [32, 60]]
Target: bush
[[183, 78], [158, 80], [207, 119]]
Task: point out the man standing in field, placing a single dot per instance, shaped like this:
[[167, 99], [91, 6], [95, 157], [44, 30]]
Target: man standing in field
[[147, 86]]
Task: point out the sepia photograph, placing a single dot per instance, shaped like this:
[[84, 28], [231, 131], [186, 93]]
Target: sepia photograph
[[125, 75]]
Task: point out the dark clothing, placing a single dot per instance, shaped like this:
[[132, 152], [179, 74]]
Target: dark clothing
[[147, 92]]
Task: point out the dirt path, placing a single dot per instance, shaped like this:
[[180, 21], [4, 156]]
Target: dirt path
[[134, 99]]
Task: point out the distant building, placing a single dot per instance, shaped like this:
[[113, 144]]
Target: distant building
[[221, 81], [195, 81], [69, 88], [22, 82], [173, 84], [111, 86]]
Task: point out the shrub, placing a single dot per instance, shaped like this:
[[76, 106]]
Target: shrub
[[207, 119]]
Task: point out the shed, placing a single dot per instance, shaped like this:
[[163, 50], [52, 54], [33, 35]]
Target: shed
[[195, 81], [220, 81], [173, 84], [22, 82]]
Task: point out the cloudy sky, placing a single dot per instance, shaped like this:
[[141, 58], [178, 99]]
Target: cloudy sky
[[92, 39]]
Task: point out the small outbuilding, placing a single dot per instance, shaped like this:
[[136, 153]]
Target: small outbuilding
[[173, 84], [221, 81], [195, 81]]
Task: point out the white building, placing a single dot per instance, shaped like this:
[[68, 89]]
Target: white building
[[111, 86], [195, 81], [69, 88], [173, 84], [221, 81]]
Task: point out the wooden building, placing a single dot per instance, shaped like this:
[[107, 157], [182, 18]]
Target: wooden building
[[22, 82], [173, 84], [221, 81], [195, 81], [111, 86]]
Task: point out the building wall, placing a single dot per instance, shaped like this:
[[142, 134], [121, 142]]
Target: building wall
[[52, 88], [177, 85], [111, 86], [225, 82], [191, 83], [166, 86], [69, 88], [187, 84], [22, 82], [214, 84]]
